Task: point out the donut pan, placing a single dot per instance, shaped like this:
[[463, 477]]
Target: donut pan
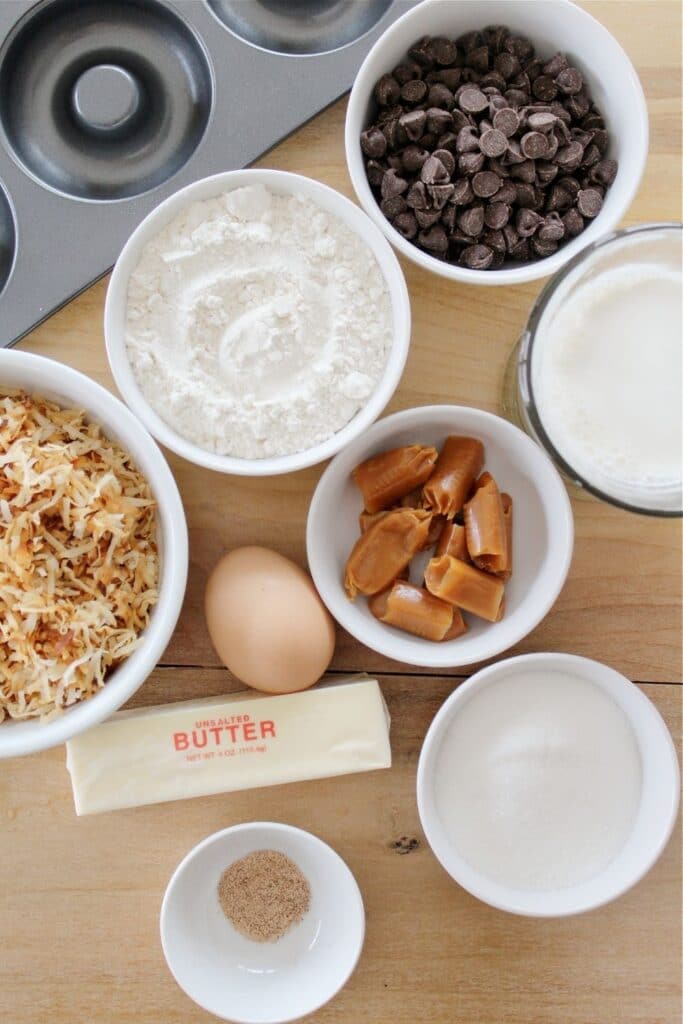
[[108, 106]]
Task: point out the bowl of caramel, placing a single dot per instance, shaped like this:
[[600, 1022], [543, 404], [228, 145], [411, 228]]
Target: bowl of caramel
[[441, 537]]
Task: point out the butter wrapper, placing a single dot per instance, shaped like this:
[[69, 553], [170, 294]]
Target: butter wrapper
[[224, 744]]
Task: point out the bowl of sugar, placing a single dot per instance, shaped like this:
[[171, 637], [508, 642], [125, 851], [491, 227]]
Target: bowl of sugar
[[548, 785]]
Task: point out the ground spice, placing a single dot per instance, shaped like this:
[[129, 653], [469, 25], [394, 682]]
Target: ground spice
[[263, 895]]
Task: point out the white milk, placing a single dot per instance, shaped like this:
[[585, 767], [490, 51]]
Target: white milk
[[538, 780], [606, 370]]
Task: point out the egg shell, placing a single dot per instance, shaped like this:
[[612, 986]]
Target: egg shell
[[267, 622]]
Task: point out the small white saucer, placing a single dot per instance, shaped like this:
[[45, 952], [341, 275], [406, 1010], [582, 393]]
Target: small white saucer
[[252, 982]]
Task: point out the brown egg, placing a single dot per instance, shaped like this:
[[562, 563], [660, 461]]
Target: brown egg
[[267, 622]]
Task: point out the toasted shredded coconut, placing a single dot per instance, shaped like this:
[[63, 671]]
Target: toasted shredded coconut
[[79, 565]]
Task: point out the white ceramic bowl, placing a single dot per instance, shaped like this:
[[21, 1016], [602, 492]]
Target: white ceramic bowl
[[55, 381], [655, 818], [542, 541], [284, 183], [252, 982], [551, 25]]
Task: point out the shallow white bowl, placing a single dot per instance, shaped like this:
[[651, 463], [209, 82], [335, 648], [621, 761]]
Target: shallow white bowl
[[551, 25], [55, 381], [283, 183], [654, 821], [252, 982], [543, 533]]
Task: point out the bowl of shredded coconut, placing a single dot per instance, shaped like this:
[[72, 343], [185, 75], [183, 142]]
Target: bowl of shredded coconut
[[256, 322], [93, 553]]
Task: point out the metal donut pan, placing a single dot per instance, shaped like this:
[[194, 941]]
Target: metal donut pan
[[109, 106]]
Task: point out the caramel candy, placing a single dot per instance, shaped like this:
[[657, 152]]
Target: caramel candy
[[386, 478], [414, 610], [458, 626], [452, 542], [457, 467], [385, 549], [486, 531], [366, 520], [461, 584]]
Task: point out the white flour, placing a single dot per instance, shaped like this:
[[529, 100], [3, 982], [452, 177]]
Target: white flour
[[258, 324]]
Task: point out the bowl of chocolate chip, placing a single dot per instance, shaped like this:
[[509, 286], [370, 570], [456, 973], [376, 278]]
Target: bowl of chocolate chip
[[491, 143]]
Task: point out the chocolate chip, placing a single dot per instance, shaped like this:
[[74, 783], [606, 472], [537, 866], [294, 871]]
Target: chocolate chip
[[373, 143], [492, 81], [438, 120], [493, 142], [468, 140], [569, 157], [571, 185], [470, 163], [545, 172], [578, 105], [414, 91], [470, 41], [422, 52], [507, 65], [589, 202], [387, 91], [498, 167], [558, 199], [449, 76], [476, 257], [478, 59], [543, 248], [556, 64], [462, 194], [520, 46], [390, 132], [600, 139], [485, 184], [433, 171], [533, 145], [569, 81], [553, 145], [448, 218], [495, 240], [495, 36], [552, 229], [435, 239], [526, 196], [507, 193], [522, 82], [406, 224], [425, 218], [407, 71], [413, 124], [541, 121], [591, 156], [527, 223], [440, 96], [516, 97], [544, 88], [446, 158], [513, 154], [511, 237], [525, 171], [471, 221], [449, 141], [605, 172], [393, 185], [417, 196], [444, 51], [473, 101], [496, 215], [393, 206], [573, 222], [440, 194]]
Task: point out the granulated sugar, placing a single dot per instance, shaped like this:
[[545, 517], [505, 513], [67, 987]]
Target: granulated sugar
[[263, 895], [257, 324]]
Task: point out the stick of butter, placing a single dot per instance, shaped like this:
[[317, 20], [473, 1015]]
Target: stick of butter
[[222, 744]]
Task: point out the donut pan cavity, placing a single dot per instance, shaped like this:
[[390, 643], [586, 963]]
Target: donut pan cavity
[[108, 106]]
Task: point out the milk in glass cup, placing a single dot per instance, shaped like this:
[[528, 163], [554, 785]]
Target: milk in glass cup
[[597, 376]]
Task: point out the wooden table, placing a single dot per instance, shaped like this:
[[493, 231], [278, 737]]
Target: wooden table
[[79, 917]]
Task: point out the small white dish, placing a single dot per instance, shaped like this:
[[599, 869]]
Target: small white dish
[[59, 383], [655, 817], [543, 533], [551, 25], [284, 183], [252, 982]]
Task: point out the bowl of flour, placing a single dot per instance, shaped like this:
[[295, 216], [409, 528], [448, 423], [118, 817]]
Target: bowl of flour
[[256, 322]]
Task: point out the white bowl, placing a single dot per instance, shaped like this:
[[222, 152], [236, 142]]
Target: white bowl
[[551, 25], [253, 982], [655, 817], [542, 524], [283, 183], [55, 381]]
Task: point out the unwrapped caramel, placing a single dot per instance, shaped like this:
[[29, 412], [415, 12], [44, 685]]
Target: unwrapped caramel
[[385, 549], [386, 478]]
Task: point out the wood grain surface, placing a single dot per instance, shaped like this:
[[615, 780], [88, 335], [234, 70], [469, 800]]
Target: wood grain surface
[[80, 903]]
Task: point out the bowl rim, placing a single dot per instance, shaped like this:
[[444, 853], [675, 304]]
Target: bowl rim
[[106, 409], [533, 270], [596, 672], [436, 655], [323, 851], [332, 202]]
